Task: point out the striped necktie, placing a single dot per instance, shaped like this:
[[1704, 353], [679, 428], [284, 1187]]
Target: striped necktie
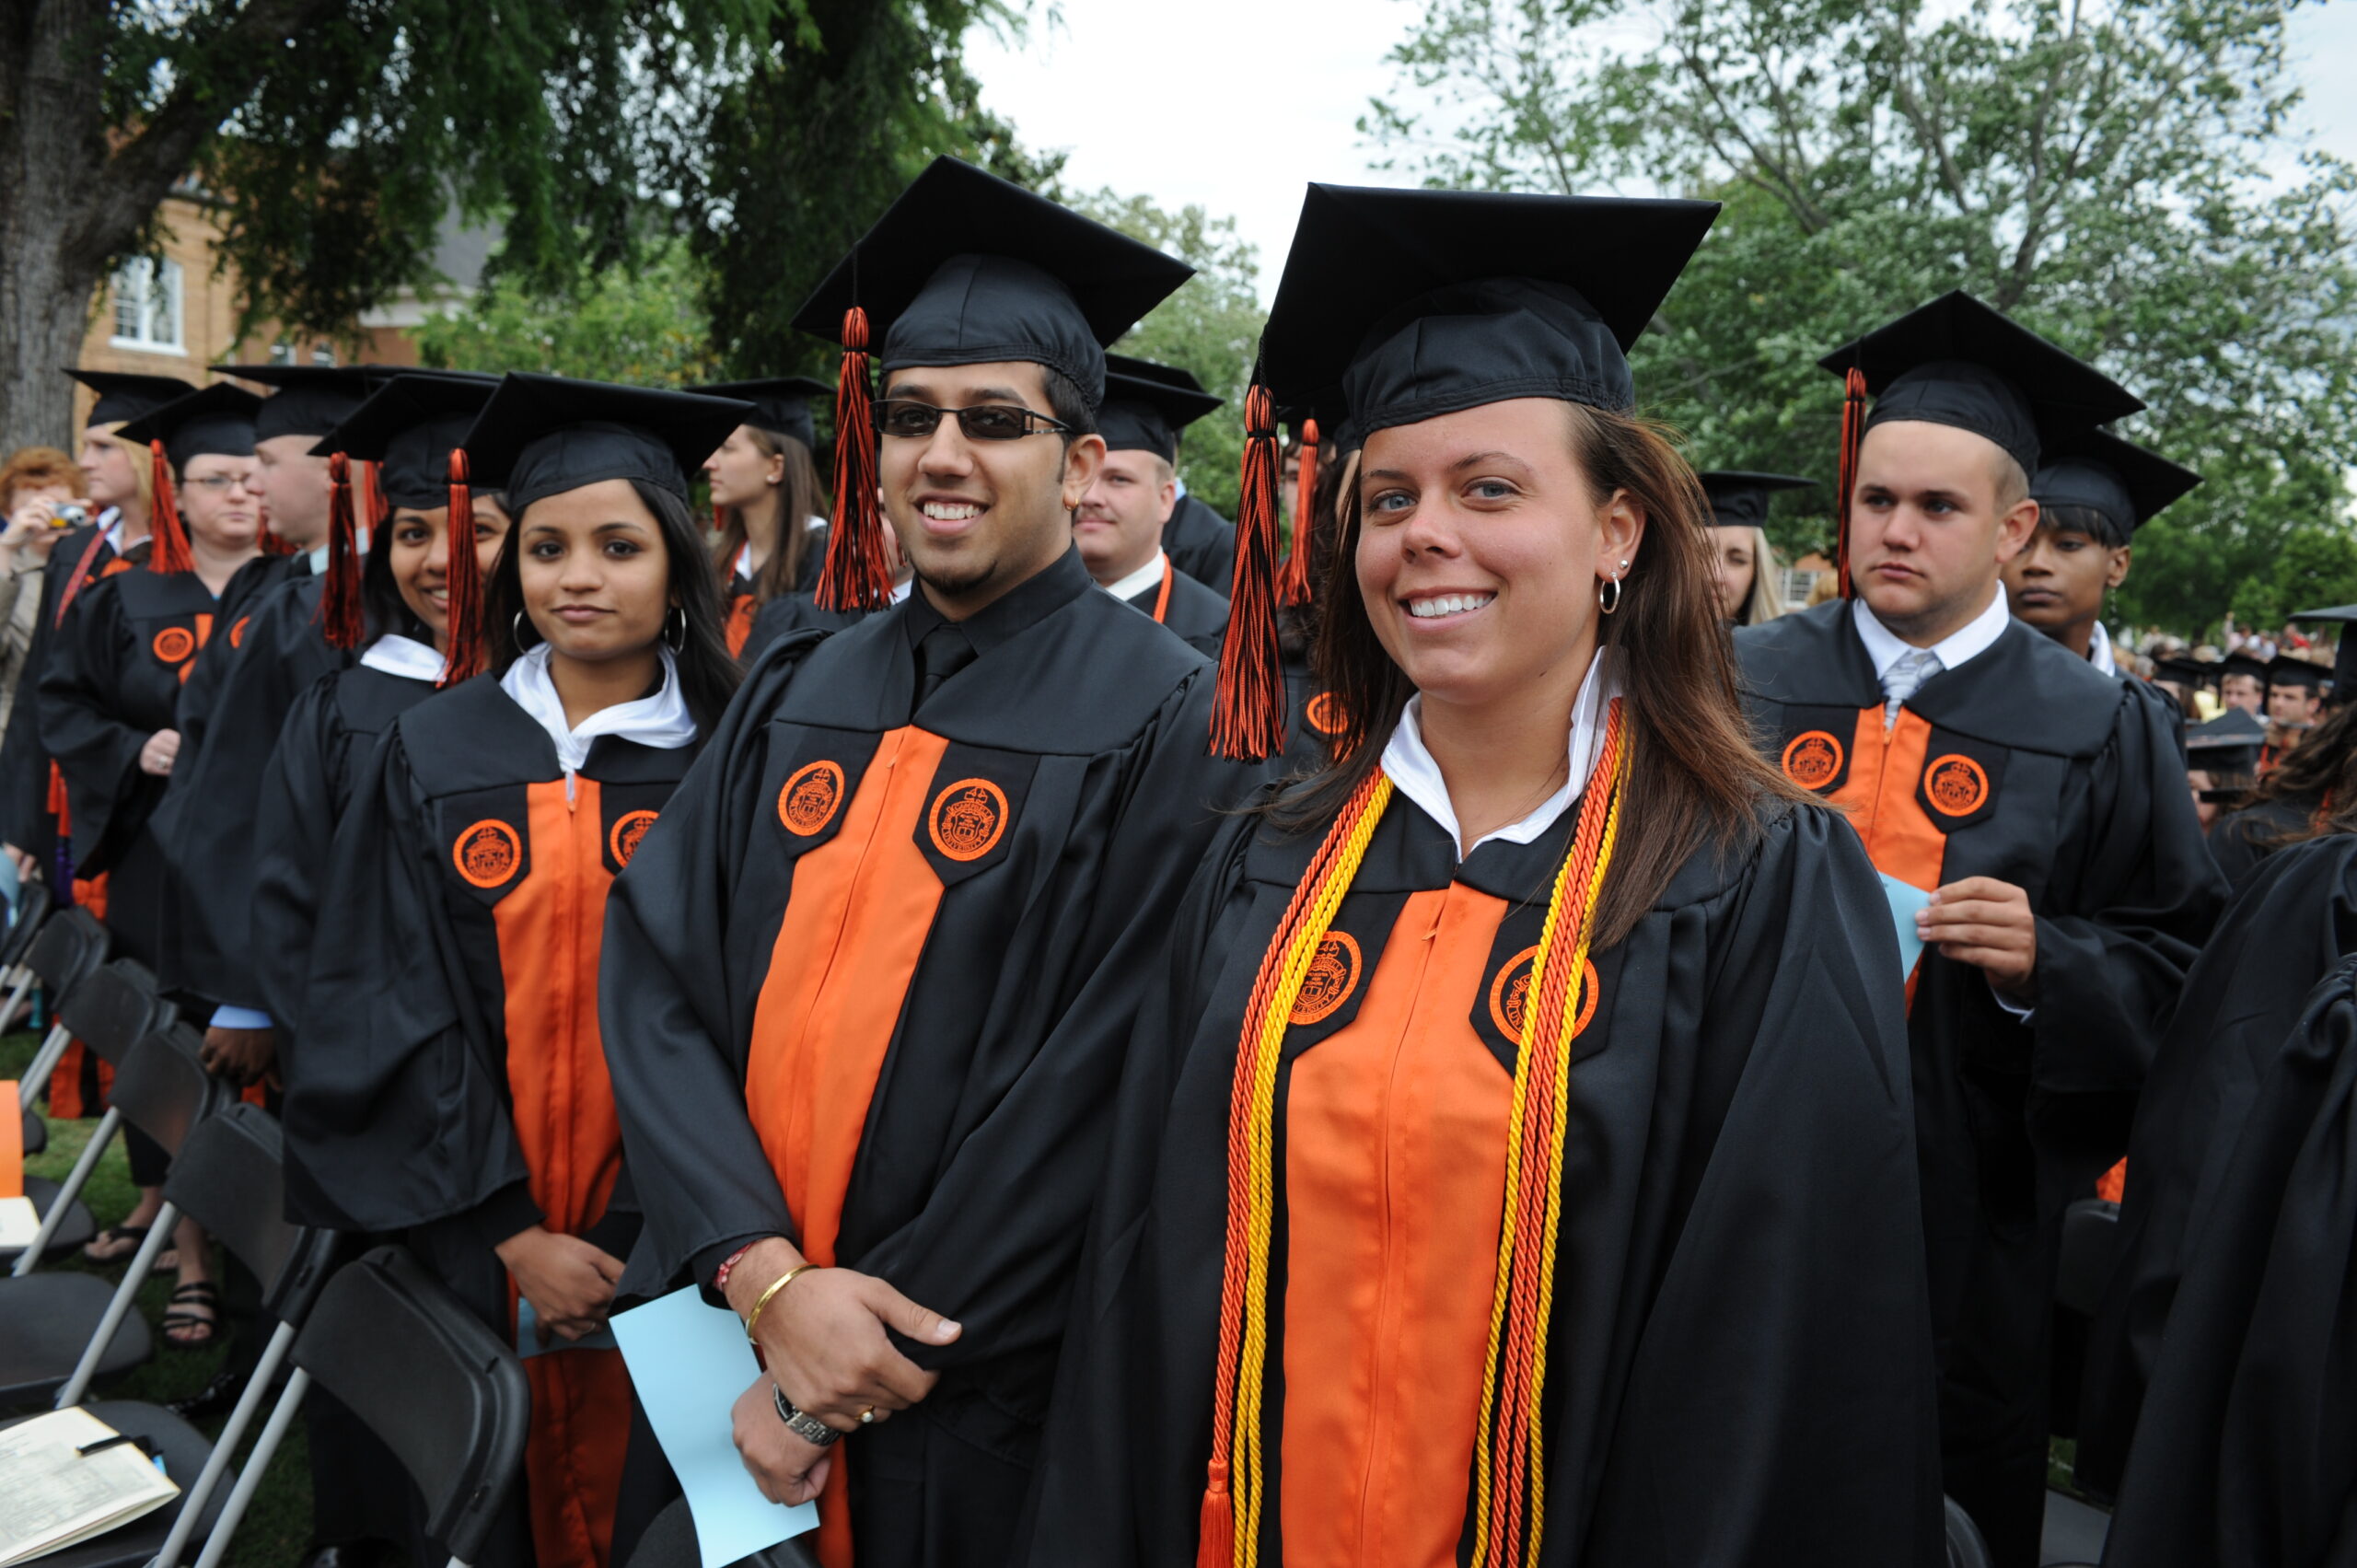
[[1899, 681]]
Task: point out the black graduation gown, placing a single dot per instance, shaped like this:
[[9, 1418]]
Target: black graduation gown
[[245, 592], [449, 1081], [1203, 544], [2289, 924], [990, 877], [26, 821], [2243, 838], [1197, 615], [2248, 1449], [1739, 1361], [783, 617], [2028, 766], [114, 681], [214, 810]]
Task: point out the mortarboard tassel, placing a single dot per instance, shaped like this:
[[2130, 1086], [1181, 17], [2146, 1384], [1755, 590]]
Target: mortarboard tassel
[[168, 549], [270, 543], [1248, 707], [1853, 434], [465, 660], [855, 576], [342, 621], [1293, 586]]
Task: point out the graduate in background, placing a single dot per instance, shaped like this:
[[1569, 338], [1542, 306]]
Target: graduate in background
[[869, 982], [2221, 765], [1743, 563], [781, 618], [2242, 683], [451, 1080], [2042, 806], [766, 499], [1539, 1030], [2304, 786], [1201, 543], [2093, 492], [2294, 702], [118, 477], [2191, 683], [1121, 526]]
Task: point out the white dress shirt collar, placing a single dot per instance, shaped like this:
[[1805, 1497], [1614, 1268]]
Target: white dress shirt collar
[[1146, 576], [2099, 652], [1969, 642], [404, 657], [661, 720]]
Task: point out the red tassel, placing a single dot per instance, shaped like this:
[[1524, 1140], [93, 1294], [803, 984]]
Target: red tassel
[[376, 510], [855, 576], [167, 547], [466, 658], [1853, 434], [341, 619], [1248, 705], [271, 544], [1293, 585], [1216, 1539]]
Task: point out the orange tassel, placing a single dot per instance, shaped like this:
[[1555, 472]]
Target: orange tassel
[[377, 509], [167, 550], [1293, 585], [855, 576], [1248, 704], [343, 620], [466, 659], [1216, 1543], [1853, 434]]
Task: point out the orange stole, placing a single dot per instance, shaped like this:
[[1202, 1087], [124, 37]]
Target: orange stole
[[1395, 1191], [551, 927], [856, 925], [742, 608], [1886, 766]]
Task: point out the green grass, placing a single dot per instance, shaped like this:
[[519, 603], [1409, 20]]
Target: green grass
[[277, 1527]]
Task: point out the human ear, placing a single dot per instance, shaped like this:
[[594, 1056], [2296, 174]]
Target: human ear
[[1620, 529], [1083, 461]]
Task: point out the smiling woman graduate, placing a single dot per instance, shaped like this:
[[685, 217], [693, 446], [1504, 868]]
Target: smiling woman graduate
[[451, 1079], [1514, 1160]]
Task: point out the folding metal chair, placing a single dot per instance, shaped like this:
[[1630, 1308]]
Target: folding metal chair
[[65, 949], [1966, 1548], [421, 1371], [51, 1323], [112, 1008], [33, 903]]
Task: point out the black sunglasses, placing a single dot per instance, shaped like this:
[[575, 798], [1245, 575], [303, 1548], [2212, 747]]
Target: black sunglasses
[[983, 422]]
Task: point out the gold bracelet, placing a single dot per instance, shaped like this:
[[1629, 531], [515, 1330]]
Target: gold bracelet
[[777, 1285]]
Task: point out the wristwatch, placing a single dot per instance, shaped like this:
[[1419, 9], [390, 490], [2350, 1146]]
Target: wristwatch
[[802, 1424]]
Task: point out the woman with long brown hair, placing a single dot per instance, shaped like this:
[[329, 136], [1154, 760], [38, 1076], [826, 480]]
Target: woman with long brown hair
[[1550, 1046], [770, 517]]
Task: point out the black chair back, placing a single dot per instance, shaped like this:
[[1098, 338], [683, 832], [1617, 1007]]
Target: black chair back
[[2090, 1250], [162, 1089], [671, 1542], [230, 1174], [1966, 1548], [111, 1007], [67, 949], [436, 1388], [33, 904]]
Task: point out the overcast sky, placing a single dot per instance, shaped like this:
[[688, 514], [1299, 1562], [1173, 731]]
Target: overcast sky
[[1151, 99]]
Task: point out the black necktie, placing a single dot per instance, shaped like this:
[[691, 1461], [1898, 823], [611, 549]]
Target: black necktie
[[942, 653]]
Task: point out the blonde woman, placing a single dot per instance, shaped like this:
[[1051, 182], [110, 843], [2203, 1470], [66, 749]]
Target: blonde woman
[[1743, 563]]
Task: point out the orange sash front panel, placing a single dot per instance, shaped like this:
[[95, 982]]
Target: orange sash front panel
[[742, 608], [1885, 767], [1395, 1189]]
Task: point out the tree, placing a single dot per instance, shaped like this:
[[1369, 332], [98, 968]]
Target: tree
[[2098, 170], [334, 134], [645, 326]]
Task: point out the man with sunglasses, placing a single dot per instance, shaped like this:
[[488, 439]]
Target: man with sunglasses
[[869, 980]]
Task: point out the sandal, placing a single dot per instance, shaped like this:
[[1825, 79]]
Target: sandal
[[118, 1243], [203, 1313]]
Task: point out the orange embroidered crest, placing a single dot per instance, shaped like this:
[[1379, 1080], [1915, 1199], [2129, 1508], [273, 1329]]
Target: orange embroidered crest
[[1510, 995], [808, 801], [967, 819], [487, 854], [173, 643], [1955, 785], [1324, 713], [1812, 759], [629, 828], [1333, 975]]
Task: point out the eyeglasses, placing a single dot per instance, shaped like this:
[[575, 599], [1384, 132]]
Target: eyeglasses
[[219, 482], [983, 422]]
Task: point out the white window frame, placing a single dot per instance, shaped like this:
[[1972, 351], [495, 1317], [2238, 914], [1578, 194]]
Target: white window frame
[[136, 284]]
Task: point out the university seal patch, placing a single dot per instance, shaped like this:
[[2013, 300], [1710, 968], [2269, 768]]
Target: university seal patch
[[1955, 785], [487, 854], [1333, 975], [967, 819], [808, 801]]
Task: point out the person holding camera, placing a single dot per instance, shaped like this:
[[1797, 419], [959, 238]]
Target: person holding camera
[[42, 496]]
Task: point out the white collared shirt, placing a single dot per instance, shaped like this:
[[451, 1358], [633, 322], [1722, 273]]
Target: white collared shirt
[[2099, 652], [404, 656], [1146, 576], [111, 521], [1415, 774], [661, 720], [1969, 642]]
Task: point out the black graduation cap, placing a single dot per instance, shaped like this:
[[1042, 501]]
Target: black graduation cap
[[541, 435], [1955, 362], [2344, 662], [122, 397], [781, 403], [217, 420], [1739, 499], [965, 268], [1147, 404], [2117, 480], [2188, 672], [2286, 670], [2227, 749], [2242, 663], [1421, 303], [311, 400], [407, 428]]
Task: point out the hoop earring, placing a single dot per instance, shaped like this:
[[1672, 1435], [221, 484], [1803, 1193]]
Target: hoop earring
[[681, 645], [515, 630], [1605, 603]]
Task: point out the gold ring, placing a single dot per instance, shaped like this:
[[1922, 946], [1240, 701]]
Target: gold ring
[[868, 1416]]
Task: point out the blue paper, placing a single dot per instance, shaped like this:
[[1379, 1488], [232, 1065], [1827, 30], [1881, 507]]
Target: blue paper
[[689, 1361], [1906, 902], [528, 1339]]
